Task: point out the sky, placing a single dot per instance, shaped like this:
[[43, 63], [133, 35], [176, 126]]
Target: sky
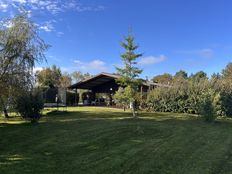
[[85, 35]]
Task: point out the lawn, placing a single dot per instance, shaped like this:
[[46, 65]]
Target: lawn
[[92, 140]]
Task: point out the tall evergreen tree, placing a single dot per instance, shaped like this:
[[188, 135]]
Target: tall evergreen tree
[[129, 73]]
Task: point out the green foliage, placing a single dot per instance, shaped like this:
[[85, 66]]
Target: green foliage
[[126, 95], [223, 86], [181, 74], [79, 76], [29, 106], [164, 78], [53, 77], [49, 76], [141, 101], [227, 72], [65, 80], [226, 103], [207, 108], [129, 73], [20, 49], [183, 97], [190, 95], [120, 97], [198, 76]]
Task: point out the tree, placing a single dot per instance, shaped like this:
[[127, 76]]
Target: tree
[[215, 81], [79, 76], [181, 74], [129, 73], [164, 78], [49, 76], [207, 108], [65, 80], [20, 48], [198, 76], [227, 72]]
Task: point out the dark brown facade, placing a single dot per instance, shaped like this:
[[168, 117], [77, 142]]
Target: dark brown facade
[[106, 83]]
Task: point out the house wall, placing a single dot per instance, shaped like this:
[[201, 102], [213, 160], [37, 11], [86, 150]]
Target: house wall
[[108, 87]]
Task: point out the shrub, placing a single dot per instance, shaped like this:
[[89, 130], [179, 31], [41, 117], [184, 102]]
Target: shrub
[[207, 108], [30, 105], [141, 100], [182, 97], [120, 98], [226, 103], [224, 99]]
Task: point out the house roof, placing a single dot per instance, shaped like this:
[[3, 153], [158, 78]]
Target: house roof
[[102, 78], [95, 81]]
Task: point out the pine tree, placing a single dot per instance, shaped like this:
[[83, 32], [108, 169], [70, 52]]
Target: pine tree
[[129, 72]]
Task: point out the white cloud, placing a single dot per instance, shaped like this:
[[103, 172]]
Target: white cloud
[[20, 1], [7, 24], [54, 58], [81, 8], [77, 62], [35, 8], [37, 69], [51, 6], [59, 33], [3, 7], [204, 53], [47, 26], [94, 65], [151, 60]]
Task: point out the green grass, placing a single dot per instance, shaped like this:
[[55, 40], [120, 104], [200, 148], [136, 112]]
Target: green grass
[[92, 140]]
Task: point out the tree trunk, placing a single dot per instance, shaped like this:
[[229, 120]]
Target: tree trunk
[[133, 109], [5, 112], [4, 108]]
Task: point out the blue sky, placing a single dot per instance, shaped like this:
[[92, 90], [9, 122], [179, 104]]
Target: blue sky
[[85, 35]]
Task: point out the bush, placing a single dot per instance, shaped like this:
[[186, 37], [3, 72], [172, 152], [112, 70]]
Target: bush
[[29, 106], [207, 109], [226, 103], [181, 97], [224, 98]]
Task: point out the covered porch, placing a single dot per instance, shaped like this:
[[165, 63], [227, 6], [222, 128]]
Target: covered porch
[[102, 87]]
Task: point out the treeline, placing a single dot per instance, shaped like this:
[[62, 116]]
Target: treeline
[[50, 80], [195, 94], [53, 77]]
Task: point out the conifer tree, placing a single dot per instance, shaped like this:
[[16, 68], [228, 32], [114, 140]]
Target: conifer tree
[[129, 73]]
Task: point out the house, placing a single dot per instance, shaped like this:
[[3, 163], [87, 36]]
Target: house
[[105, 84]]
